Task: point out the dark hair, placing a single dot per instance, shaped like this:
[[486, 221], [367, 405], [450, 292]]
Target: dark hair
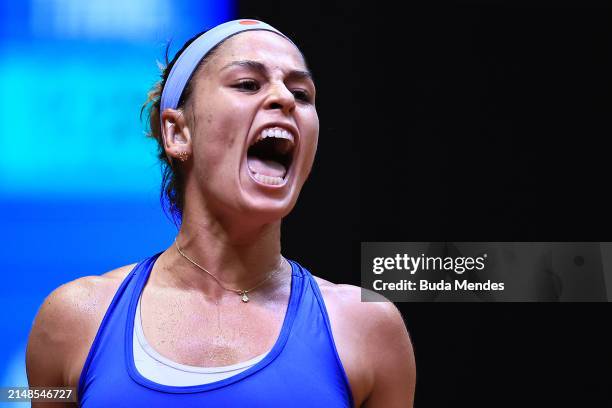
[[172, 185]]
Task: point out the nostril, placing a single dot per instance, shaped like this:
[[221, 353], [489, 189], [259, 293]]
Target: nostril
[[276, 105]]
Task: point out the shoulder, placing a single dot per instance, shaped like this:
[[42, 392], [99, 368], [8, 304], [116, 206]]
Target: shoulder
[[66, 323], [380, 316], [79, 300]]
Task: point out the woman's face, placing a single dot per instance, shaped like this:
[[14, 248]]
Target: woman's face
[[254, 126]]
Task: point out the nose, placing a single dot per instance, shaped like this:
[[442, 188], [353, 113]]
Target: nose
[[280, 98]]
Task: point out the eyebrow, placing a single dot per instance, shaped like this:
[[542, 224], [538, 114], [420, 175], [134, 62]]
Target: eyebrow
[[261, 68]]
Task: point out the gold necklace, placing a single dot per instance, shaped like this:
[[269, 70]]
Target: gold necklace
[[244, 293]]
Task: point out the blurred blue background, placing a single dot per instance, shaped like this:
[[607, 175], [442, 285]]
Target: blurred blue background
[[79, 181]]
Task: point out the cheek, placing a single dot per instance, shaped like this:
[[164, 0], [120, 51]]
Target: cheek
[[219, 134], [311, 133]]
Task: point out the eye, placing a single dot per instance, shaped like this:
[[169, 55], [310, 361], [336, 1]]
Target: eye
[[247, 85], [301, 95]]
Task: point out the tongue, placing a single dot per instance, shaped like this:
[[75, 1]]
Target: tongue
[[266, 167]]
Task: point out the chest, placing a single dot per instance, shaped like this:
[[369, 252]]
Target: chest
[[198, 333], [192, 332]]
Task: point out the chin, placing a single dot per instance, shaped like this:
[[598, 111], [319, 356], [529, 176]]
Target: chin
[[267, 210]]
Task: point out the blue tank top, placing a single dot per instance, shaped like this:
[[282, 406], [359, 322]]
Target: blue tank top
[[301, 370]]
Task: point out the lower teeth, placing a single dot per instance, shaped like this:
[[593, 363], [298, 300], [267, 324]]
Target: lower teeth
[[268, 179]]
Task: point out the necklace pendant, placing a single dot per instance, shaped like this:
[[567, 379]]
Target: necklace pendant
[[245, 298]]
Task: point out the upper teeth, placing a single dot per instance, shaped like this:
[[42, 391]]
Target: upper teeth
[[276, 132]]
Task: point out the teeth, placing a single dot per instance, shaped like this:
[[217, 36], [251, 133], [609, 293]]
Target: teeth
[[268, 179], [275, 132]]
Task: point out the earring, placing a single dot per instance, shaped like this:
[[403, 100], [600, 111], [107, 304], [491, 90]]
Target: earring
[[183, 156]]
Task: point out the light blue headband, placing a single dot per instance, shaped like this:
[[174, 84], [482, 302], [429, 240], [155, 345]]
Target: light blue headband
[[190, 58]]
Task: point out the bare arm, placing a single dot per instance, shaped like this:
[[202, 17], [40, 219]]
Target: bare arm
[[392, 359]]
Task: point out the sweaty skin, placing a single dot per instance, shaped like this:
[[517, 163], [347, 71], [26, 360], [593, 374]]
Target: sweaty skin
[[231, 224]]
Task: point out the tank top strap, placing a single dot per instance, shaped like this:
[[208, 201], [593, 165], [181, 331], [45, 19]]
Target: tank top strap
[[313, 323]]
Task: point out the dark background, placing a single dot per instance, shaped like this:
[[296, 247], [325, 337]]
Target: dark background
[[463, 122]]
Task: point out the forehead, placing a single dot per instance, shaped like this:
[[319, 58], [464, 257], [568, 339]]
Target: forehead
[[266, 47]]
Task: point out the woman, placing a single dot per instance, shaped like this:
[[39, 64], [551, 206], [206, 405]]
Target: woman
[[220, 317]]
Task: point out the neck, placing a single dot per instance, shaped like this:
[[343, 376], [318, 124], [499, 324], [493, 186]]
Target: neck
[[238, 257]]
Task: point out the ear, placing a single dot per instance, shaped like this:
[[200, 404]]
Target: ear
[[176, 134]]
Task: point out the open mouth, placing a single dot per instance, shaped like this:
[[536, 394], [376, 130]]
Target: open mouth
[[269, 157]]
